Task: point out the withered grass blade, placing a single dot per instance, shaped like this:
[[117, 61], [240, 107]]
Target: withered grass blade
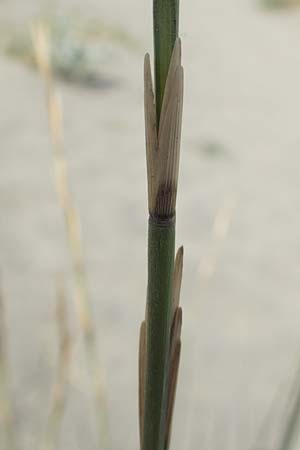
[[151, 131], [178, 270]]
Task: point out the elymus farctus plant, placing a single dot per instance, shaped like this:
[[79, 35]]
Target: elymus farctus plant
[[160, 331]]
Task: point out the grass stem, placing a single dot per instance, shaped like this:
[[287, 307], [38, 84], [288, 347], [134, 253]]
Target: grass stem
[[159, 306], [160, 332], [165, 26]]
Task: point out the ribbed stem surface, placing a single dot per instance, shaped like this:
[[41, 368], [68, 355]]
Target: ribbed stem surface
[[161, 250]]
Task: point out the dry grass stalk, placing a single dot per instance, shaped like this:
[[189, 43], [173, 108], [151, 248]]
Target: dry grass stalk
[[8, 433], [50, 438], [41, 42]]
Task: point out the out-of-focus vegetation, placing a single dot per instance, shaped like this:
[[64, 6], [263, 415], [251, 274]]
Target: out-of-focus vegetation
[[79, 48], [280, 3]]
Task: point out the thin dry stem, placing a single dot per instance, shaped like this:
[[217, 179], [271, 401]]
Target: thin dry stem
[[41, 40], [51, 435]]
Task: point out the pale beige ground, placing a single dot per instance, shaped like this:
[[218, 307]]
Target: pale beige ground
[[241, 145]]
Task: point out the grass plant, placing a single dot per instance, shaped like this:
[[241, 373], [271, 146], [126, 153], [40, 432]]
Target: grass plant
[[160, 342], [160, 331]]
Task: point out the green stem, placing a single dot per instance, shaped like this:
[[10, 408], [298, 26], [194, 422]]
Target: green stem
[[161, 250], [165, 26], [161, 253]]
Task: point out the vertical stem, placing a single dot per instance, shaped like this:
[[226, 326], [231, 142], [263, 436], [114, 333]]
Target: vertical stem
[[165, 27], [159, 302], [161, 240]]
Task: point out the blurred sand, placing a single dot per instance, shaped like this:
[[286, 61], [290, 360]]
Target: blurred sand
[[241, 142]]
